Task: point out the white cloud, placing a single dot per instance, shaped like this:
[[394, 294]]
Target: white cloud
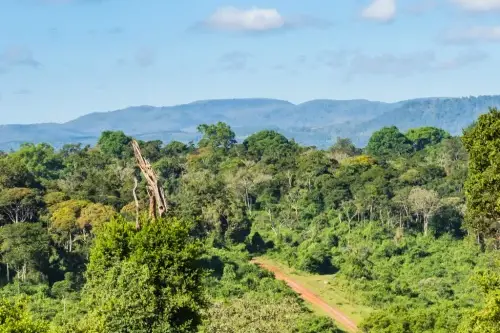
[[478, 5], [475, 34], [254, 19], [380, 10]]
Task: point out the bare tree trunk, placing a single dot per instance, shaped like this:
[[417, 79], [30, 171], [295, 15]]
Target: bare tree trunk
[[426, 224], [157, 199], [23, 272], [8, 273], [134, 192], [290, 179], [70, 247]]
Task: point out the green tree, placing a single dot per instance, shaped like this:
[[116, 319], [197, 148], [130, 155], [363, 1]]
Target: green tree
[[389, 142], [482, 187], [64, 220], [19, 204], [487, 318], [270, 147], [14, 173], [115, 144], [24, 247], [217, 136], [426, 136], [41, 161], [15, 318], [145, 281]]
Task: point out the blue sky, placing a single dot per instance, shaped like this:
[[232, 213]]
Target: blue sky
[[60, 59]]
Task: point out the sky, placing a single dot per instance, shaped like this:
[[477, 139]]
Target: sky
[[60, 59]]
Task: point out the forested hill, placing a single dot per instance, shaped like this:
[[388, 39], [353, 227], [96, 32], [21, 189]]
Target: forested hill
[[312, 123]]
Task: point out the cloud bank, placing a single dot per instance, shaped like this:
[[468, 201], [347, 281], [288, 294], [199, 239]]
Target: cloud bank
[[380, 10], [257, 20]]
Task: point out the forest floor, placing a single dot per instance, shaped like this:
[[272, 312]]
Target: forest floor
[[320, 293]]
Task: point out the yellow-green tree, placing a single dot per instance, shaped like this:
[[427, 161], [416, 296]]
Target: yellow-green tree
[[64, 220], [15, 318]]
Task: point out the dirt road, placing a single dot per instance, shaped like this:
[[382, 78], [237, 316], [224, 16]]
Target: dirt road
[[309, 296]]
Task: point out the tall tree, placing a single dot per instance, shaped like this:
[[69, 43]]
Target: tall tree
[[389, 142], [482, 187], [426, 136], [115, 144], [19, 204], [218, 136], [25, 248], [425, 203], [146, 280]]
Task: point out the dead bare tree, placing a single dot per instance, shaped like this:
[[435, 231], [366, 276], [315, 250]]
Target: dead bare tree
[[157, 200], [134, 192]]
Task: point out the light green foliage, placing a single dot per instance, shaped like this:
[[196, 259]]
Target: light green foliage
[[15, 318], [248, 299], [487, 318], [256, 314], [40, 160], [146, 280]]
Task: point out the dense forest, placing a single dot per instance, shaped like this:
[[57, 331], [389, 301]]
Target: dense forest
[[410, 224]]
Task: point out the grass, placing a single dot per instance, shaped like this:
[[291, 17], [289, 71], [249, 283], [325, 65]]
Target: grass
[[324, 287]]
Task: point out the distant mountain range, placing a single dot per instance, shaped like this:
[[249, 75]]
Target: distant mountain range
[[316, 122]]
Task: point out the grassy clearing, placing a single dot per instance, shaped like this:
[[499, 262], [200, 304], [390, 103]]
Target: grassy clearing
[[324, 287]]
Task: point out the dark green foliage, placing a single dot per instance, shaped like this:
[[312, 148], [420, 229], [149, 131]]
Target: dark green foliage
[[216, 136], [389, 142], [115, 144], [25, 248], [426, 136], [269, 147]]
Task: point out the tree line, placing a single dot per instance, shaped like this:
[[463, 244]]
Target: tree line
[[410, 225]]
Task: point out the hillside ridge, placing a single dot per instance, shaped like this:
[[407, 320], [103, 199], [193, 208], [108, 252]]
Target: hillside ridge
[[316, 122]]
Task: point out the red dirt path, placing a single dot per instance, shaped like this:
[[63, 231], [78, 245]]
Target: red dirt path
[[309, 296]]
